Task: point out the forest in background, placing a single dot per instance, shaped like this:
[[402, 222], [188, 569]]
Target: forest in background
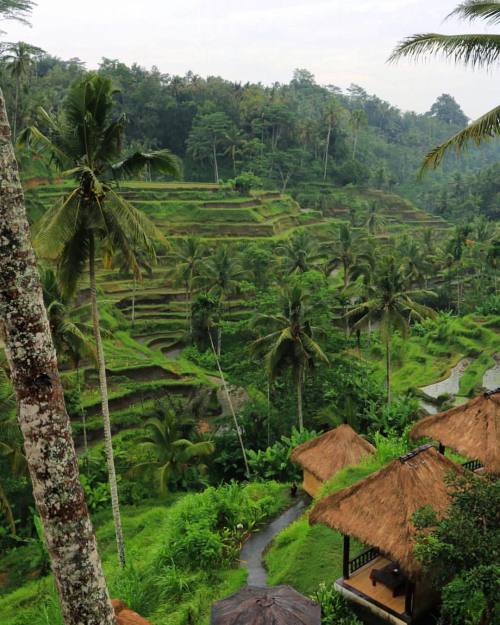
[[286, 134]]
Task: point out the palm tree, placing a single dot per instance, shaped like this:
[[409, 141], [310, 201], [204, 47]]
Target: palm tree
[[168, 443], [19, 58], [118, 260], [85, 143], [187, 259], [349, 252], [42, 416], [235, 142], [289, 344], [390, 300], [299, 253], [332, 115], [71, 337], [221, 275], [356, 120], [375, 221], [474, 50]]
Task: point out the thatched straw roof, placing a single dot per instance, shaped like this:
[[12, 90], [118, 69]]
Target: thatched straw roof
[[472, 429], [278, 605], [378, 510], [325, 455]]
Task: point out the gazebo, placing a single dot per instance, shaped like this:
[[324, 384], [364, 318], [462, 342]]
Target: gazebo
[[378, 511], [472, 430], [277, 605], [322, 457]]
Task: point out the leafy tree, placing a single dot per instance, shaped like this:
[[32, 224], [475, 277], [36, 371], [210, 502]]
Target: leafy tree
[[173, 455], [207, 135], [447, 110], [460, 555], [375, 221], [474, 50], [389, 300], [85, 143], [19, 58], [289, 343]]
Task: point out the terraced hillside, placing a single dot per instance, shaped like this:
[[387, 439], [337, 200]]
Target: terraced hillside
[[143, 358]]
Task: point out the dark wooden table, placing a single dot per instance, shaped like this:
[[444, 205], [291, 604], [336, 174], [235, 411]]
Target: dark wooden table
[[391, 576]]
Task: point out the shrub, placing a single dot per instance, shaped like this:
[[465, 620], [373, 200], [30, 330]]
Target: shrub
[[334, 608]]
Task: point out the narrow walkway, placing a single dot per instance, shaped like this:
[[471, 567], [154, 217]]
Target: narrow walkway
[[253, 549]]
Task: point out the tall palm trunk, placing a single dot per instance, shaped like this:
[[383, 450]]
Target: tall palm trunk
[[327, 149], [134, 289], [388, 369], [231, 407], [16, 107], [108, 443], [216, 165], [82, 412], [300, 381], [49, 448]]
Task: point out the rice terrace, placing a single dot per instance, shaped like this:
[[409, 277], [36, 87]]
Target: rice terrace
[[249, 326]]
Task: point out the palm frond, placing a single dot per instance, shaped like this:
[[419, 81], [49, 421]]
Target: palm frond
[[33, 138], [477, 9], [483, 129], [161, 161], [476, 50]]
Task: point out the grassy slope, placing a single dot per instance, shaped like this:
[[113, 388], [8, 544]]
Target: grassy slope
[[145, 529]]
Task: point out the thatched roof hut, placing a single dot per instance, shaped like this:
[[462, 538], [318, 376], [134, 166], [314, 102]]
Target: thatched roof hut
[[325, 455], [378, 510], [278, 605], [472, 429]]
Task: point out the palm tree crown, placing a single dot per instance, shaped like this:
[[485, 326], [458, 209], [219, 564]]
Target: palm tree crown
[[474, 50]]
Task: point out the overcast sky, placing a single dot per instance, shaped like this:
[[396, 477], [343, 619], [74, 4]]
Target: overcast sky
[[339, 41]]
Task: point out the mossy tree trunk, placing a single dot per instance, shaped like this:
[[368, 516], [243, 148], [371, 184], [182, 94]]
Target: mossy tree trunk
[[103, 386], [45, 426]]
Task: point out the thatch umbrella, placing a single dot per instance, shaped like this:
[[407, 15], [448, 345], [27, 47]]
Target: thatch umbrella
[[324, 455], [278, 605], [473, 429], [378, 510]]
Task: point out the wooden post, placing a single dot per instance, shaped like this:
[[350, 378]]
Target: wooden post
[[345, 563], [441, 448], [410, 592]]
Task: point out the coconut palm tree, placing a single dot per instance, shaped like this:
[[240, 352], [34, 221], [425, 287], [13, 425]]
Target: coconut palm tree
[[332, 113], [171, 450], [19, 58], [42, 416], [349, 252], [357, 119], [187, 258], [221, 275], [473, 50], [289, 343], [375, 221], [390, 300], [85, 143], [299, 253]]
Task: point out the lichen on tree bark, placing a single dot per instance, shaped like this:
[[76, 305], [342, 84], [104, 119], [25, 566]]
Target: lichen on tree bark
[[42, 414]]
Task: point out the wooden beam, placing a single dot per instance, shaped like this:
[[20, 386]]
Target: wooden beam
[[345, 563]]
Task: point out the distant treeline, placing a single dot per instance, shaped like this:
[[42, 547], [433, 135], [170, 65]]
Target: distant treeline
[[287, 134]]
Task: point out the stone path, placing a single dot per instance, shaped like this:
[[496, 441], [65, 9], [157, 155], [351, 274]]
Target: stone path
[[253, 549]]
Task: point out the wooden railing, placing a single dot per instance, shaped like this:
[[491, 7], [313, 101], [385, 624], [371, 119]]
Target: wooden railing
[[363, 558], [472, 465]]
